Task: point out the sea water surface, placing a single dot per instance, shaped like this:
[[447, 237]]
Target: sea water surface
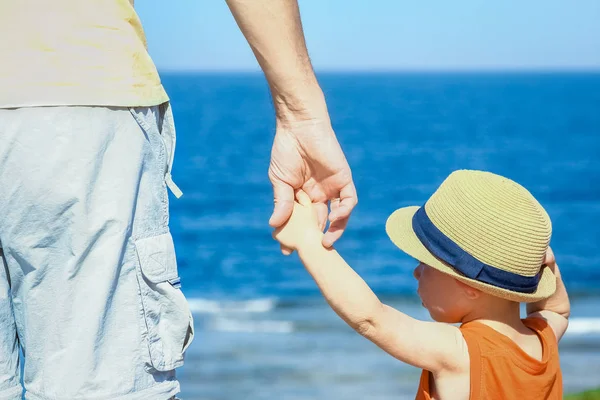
[[263, 330]]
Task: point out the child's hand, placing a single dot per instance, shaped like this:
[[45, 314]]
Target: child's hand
[[303, 226], [550, 260]]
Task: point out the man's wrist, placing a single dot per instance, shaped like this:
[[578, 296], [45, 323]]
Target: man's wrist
[[301, 100]]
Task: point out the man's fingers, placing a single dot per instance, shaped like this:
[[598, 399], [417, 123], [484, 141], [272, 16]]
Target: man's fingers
[[347, 201], [303, 198], [340, 213], [284, 204], [335, 231], [321, 210]]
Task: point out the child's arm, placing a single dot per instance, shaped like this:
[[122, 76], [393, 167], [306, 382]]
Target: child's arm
[[432, 346], [557, 308]]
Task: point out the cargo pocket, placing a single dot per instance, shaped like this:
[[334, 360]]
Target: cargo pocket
[[169, 327]]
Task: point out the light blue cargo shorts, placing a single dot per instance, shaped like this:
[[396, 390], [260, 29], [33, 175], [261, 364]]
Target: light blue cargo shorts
[[89, 288]]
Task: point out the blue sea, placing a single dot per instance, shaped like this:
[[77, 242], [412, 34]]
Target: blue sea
[[263, 330]]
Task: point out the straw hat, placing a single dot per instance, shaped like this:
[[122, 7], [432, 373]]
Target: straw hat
[[484, 230]]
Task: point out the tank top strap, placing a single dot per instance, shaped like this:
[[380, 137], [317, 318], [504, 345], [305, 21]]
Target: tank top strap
[[471, 333]]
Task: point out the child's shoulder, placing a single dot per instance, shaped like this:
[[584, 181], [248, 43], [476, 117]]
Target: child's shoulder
[[509, 365], [539, 344]]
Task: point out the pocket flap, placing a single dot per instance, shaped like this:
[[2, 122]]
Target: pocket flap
[[157, 257]]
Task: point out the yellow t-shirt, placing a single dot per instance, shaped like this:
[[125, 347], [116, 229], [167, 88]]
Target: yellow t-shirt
[[75, 52]]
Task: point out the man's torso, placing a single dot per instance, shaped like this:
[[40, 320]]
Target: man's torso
[[73, 52]]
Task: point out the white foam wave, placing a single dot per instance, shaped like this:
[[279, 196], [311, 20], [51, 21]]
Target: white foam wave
[[205, 306], [232, 325], [583, 326]]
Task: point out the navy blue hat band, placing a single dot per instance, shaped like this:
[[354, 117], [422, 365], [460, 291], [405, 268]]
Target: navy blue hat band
[[445, 249]]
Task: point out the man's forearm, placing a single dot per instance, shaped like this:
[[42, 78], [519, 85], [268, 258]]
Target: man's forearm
[[274, 31], [558, 302], [345, 291]]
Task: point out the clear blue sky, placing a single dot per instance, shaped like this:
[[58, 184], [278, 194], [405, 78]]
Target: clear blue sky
[[389, 34]]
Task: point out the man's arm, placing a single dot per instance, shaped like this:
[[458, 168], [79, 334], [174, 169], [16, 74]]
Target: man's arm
[[556, 309], [306, 153], [274, 31]]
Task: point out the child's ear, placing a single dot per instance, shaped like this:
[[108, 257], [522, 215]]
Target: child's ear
[[470, 292]]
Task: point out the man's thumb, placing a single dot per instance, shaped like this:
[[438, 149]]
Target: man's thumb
[[283, 195]]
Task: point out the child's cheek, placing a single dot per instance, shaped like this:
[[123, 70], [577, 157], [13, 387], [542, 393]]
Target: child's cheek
[[427, 289]]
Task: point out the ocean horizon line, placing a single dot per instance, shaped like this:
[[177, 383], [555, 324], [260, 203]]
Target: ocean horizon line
[[376, 71]]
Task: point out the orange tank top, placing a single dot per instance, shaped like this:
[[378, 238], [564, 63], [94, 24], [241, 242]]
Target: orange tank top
[[501, 370]]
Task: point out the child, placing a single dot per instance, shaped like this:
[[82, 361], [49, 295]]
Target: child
[[482, 243]]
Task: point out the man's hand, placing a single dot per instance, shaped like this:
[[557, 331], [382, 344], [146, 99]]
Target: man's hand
[[302, 229], [306, 155]]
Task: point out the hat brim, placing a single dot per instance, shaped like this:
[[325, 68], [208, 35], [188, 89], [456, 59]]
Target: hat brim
[[400, 231]]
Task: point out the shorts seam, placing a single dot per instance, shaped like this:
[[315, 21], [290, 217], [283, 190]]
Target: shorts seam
[[162, 157]]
